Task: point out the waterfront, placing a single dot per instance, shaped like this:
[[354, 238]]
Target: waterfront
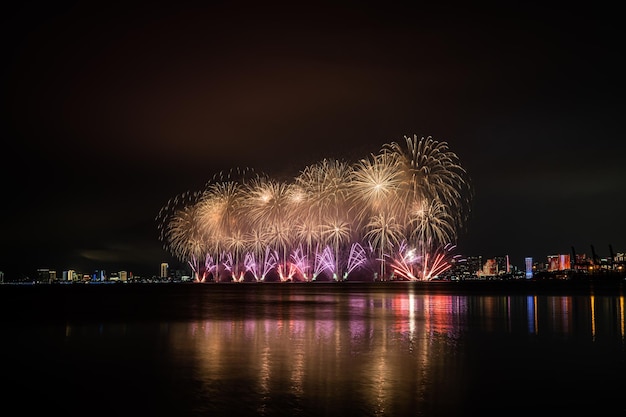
[[333, 349]]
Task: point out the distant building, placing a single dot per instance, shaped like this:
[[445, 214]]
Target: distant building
[[558, 263], [503, 265], [528, 262], [99, 275], [495, 267], [489, 269], [164, 270], [581, 262], [69, 275], [474, 264], [45, 275]]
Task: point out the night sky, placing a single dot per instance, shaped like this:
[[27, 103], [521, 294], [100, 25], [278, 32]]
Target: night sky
[[109, 110]]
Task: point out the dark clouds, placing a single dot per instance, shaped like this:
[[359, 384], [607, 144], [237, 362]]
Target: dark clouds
[[109, 110]]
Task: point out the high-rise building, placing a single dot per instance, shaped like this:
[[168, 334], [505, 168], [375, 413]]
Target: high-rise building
[[99, 275], [474, 264], [502, 264], [164, 270], [558, 262], [69, 275], [529, 267]]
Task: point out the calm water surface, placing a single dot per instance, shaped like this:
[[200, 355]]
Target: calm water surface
[[388, 349]]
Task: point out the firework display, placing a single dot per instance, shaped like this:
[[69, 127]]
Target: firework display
[[391, 215]]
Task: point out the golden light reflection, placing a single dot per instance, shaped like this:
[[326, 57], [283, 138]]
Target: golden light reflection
[[412, 315], [592, 305], [394, 344], [385, 341], [559, 313]]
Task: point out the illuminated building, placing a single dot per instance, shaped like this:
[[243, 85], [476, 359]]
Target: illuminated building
[[490, 268], [558, 263], [529, 267], [99, 275], [164, 270], [69, 275]]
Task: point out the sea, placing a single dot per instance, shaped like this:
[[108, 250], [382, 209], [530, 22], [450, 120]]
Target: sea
[[314, 349]]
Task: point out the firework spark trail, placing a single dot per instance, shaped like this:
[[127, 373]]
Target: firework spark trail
[[324, 261], [417, 193], [440, 263], [375, 187], [405, 263], [437, 267], [336, 233], [356, 259], [300, 262], [210, 267], [288, 272], [201, 271], [307, 233], [250, 265], [259, 267], [194, 264], [383, 233], [270, 262]]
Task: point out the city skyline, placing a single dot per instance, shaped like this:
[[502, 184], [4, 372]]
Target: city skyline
[[544, 263], [111, 110]]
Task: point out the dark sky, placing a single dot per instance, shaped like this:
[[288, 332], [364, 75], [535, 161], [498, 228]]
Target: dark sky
[[109, 110]]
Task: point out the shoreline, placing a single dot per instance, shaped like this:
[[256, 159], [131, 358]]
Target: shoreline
[[444, 285]]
